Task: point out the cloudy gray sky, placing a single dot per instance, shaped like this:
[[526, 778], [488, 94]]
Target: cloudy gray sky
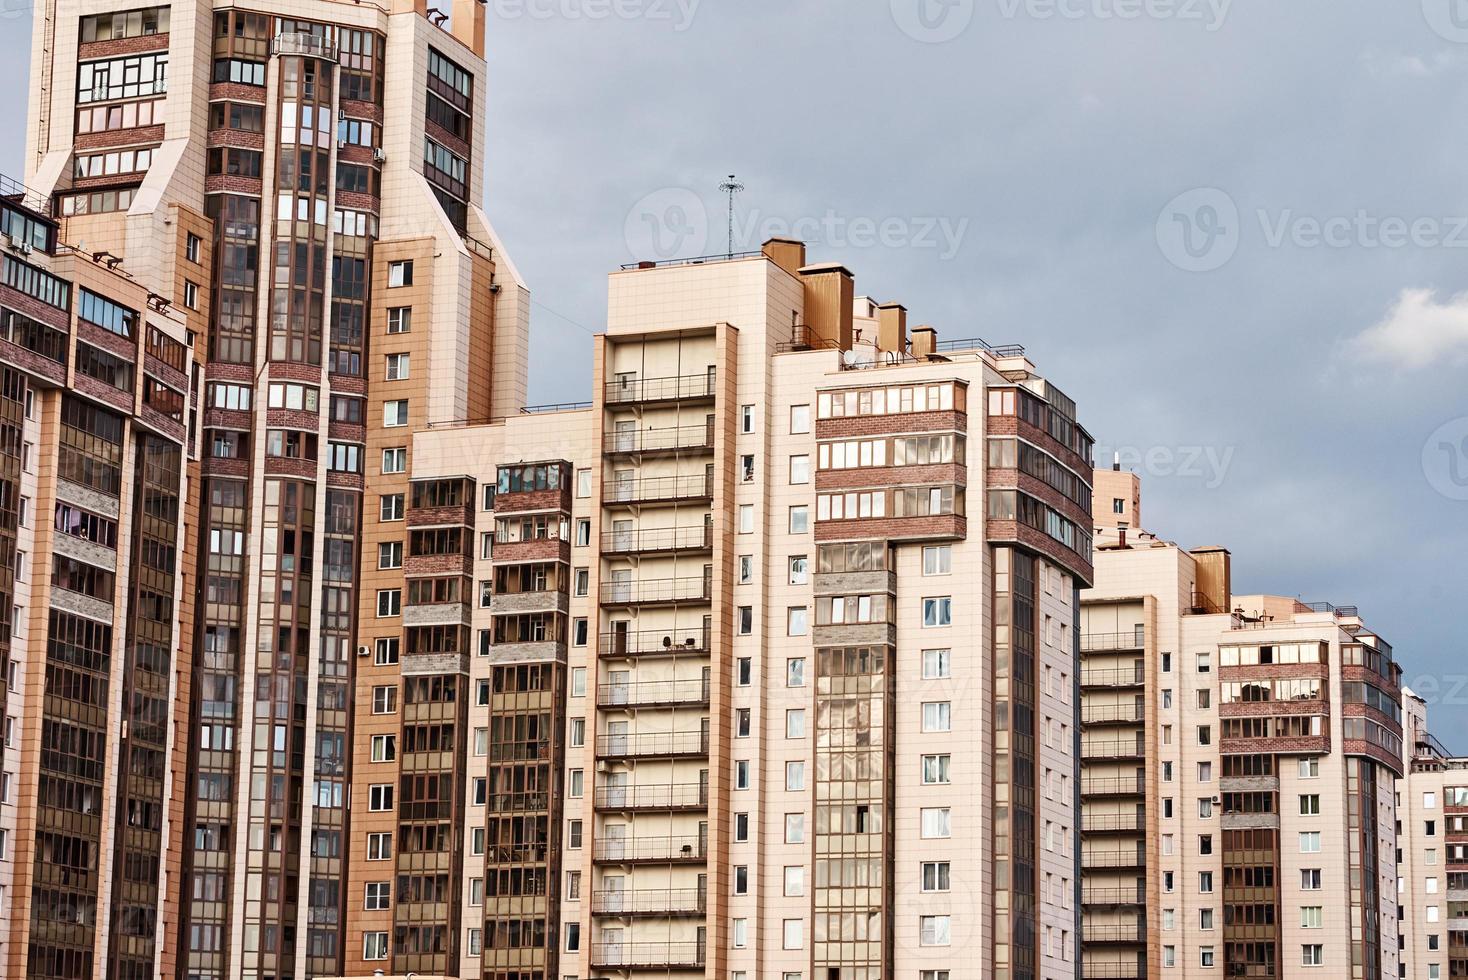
[[1236, 233]]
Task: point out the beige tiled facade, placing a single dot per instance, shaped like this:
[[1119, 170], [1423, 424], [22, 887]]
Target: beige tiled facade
[[1240, 760]]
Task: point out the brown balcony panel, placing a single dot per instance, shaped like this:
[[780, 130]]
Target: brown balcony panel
[[533, 501], [536, 549], [461, 516], [936, 527], [902, 423]]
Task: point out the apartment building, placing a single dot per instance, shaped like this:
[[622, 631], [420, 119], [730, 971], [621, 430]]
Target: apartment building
[[758, 690], [1240, 758], [250, 260]]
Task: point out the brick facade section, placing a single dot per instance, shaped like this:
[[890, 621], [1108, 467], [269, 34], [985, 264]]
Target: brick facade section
[[950, 527], [237, 138], [137, 135], [870, 477], [105, 393], [533, 501], [438, 565], [236, 92], [1013, 532], [35, 309], [462, 516], [853, 426], [291, 418], [107, 340], [116, 47], [28, 360], [545, 549]]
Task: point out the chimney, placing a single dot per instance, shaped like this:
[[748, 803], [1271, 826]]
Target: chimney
[[787, 253], [466, 22], [829, 293], [892, 328], [924, 342]]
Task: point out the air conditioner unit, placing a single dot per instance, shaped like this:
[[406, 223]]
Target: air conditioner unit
[[341, 144], [379, 154], [602, 765], [26, 248], [18, 244], [364, 650]]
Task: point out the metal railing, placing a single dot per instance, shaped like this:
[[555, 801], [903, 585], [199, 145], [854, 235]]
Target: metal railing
[[644, 540], [1111, 822], [648, 955], [650, 849], [1113, 748], [661, 440], [1113, 786], [1113, 677], [977, 343], [1115, 932], [694, 690], [1100, 714], [626, 391], [693, 589], [1091, 970], [649, 901], [652, 744], [657, 488], [1113, 859], [674, 640], [695, 260], [303, 43], [1134, 895], [1130, 640], [669, 796]]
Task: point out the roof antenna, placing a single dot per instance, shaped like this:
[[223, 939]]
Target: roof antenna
[[731, 187]]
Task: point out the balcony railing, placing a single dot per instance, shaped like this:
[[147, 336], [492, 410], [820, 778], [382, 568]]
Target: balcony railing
[[693, 690], [1113, 786], [684, 387], [1121, 858], [667, 439], [670, 796], [1115, 932], [664, 642], [657, 539], [1104, 714], [1130, 640], [654, 745], [665, 590], [650, 849], [1119, 748], [303, 43], [649, 901], [657, 489], [1112, 971], [1111, 822], [1114, 896], [648, 956], [1113, 677]]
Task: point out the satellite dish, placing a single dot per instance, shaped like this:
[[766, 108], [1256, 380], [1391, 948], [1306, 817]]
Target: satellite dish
[[848, 357]]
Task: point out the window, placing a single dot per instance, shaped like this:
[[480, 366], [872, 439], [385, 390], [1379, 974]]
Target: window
[[582, 582], [794, 776], [799, 470], [935, 876], [1310, 879], [794, 881], [1205, 956], [573, 834], [1310, 804], [399, 319], [385, 699], [799, 419], [741, 828], [390, 507], [395, 460], [938, 611], [796, 621], [394, 414], [936, 664], [583, 482], [937, 716], [741, 722], [397, 367], [374, 945], [938, 560], [390, 554], [573, 937], [795, 672], [191, 295], [793, 934], [746, 518], [934, 930], [1312, 954], [379, 846], [746, 569], [400, 273], [379, 798], [795, 828], [800, 519], [746, 621], [576, 783], [573, 886], [191, 247], [1312, 916], [741, 774], [795, 723], [386, 651], [739, 933], [1310, 842], [799, 570], [379, 896], [936, 823], [389, 602], [1205, 662], [746, 419], [384, 748], [583, 533], [1310, 768], [935, 769], [741, 879]]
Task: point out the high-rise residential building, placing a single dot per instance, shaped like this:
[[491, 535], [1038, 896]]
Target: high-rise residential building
[[753, 686], [248, 263], [1240, 758]]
